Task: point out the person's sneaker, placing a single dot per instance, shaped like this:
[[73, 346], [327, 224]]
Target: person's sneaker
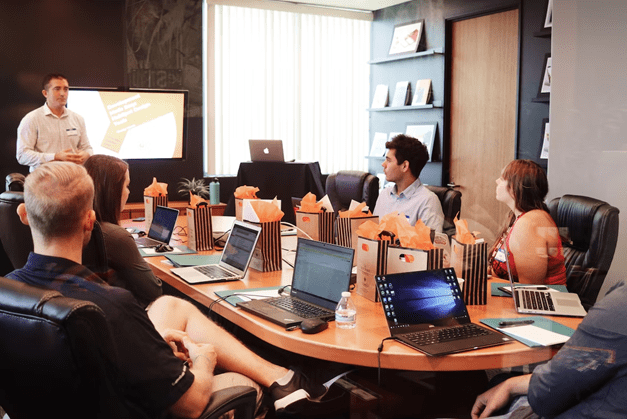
[[298, 391]]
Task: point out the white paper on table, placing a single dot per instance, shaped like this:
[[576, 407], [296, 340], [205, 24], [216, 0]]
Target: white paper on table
[[152, 251], [537, 334], [256, 295]]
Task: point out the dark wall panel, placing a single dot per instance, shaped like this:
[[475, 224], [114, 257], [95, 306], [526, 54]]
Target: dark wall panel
[[84, 40]]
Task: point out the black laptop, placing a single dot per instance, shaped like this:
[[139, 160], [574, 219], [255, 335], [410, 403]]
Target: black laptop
[[322, 271], [161, 228], [425, 310]]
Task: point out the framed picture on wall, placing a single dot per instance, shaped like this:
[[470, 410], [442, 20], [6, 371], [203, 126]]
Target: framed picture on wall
[[548, 20], [544, 90], [425, 132], [544, 153], [407, 37]]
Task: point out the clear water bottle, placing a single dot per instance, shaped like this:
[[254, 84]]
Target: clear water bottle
[[345, 312], [214, 192]]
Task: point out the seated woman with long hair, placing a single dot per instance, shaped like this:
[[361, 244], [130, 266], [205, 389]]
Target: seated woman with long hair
[[111, 181], [530, 238]]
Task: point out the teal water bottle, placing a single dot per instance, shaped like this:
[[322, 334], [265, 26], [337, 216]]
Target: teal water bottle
[[214, 192]]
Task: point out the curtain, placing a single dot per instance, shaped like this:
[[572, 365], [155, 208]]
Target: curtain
[[299, 78]]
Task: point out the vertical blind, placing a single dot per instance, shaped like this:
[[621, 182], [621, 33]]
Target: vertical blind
[[300, 78]]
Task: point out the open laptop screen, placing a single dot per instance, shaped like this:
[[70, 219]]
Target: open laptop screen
[[163, 223], [425, 297], [321, 271], [239, 246]]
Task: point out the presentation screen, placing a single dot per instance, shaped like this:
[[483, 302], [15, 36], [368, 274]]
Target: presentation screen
[[135, 123]]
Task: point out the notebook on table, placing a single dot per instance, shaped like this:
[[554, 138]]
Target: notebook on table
[[161, 228], [322, 272], [234, 261], [528, 300], [425, 310], [266, 150]]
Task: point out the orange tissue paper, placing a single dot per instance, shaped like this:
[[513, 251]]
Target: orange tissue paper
[[355, 212], [156, 188], [267, 211], [309, 204], [411, 237], [246, 192], [195, 200], [462, 234]]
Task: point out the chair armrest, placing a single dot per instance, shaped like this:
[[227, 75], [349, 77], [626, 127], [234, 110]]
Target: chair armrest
[[242, 399]]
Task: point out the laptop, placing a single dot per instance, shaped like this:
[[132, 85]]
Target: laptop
[[234, 261], [322, 271], [161, 228], [425, 310], [530, 300], [266, 150]]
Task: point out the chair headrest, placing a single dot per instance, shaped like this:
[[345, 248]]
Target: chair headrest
[[22, 298], [12, 197], [577, 213], [15, 182]]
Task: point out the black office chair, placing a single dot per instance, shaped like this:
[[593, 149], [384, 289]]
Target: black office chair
[[58, 358], [451, 201], [347, 185], [589, 230]]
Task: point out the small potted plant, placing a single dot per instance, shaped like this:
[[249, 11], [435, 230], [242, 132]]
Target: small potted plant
[[196, 187]]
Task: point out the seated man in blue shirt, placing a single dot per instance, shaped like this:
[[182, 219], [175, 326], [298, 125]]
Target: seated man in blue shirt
[[166, 356], [405, 159], [587, 378]]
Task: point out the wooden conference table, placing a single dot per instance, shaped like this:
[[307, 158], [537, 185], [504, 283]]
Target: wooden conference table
[[357, 346]]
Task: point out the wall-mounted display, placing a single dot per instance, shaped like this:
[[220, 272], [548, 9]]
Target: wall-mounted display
[[425, 132], [545, 82], [544, 154], [407, 37]]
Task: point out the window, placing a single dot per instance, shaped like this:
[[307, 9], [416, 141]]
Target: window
[[299, 77]]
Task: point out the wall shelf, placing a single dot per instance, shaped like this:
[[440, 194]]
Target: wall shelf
[[541, 99], [544, 33], [428, 52], [435, 104]]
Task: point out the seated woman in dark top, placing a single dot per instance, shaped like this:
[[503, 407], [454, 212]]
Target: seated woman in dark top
[[111, 181]]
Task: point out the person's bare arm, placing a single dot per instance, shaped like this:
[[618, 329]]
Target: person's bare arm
[[202, 362], [69, 155], [498, 397]]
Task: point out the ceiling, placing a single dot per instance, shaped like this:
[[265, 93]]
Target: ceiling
[[368, 5]]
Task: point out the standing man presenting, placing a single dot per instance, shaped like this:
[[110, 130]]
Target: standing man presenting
[[405, 159], [52, 132]]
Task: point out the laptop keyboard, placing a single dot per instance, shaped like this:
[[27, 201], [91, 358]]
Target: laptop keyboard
[[430, 337], [215, 271], [536, 300], [300, 308]]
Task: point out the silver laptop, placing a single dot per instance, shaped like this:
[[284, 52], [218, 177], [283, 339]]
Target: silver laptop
[[530, 300], [425, 310], [322, 271], [161, 228], [236, 256], [266, 150]]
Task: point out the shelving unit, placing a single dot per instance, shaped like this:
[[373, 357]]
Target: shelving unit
[[435, 104], [398, 68], [428, 52]]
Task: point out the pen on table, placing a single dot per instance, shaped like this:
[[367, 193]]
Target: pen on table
[[515, 323]]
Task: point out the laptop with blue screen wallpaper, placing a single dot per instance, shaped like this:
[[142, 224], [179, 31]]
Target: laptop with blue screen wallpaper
[[425, 310]]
